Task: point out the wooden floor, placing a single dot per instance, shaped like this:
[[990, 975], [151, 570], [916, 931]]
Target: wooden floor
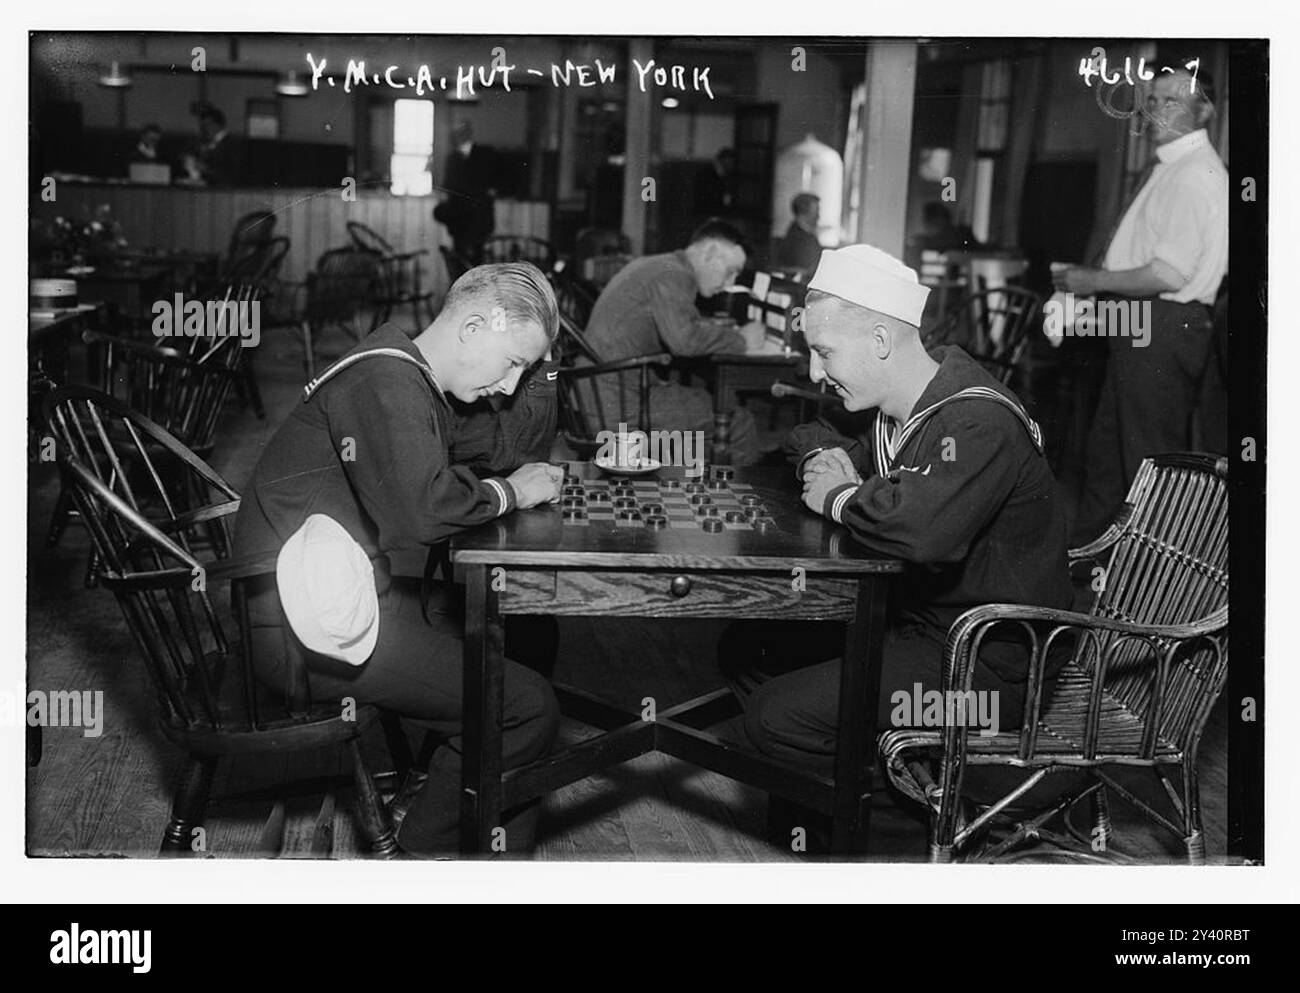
[[109, 796]]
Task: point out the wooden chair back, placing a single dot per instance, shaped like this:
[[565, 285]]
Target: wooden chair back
[[519, 248], [994, 327], [342, 290], [144, 465], [182, 387], [259, 264], [162, 590], [399, 272], [250, 230], [456, 265], [1168, 565], [368, 239], [574, 297]]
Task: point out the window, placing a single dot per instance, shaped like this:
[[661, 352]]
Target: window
[[995, 105], [412, 148]]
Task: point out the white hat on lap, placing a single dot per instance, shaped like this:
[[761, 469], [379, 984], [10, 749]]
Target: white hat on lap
[[327, 590], [873, 279]]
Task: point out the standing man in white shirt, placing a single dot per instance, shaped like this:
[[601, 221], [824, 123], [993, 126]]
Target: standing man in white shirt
[[1169, 253]]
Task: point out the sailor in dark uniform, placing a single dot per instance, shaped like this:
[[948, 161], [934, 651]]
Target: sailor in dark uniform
[[950, 477], [373, 446]]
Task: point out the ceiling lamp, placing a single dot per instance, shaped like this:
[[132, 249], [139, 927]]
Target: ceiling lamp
[[116, 78], [291, 84]]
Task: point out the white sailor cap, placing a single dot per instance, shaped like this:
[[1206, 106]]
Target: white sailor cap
[[865, 275], [327, 589]]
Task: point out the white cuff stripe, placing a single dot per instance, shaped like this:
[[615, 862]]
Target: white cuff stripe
[[502, 500], [837, 507]]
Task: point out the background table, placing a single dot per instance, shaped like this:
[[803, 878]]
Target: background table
[[532, 562], [747, 372]]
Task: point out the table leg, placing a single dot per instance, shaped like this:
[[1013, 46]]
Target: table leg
[[864, 644], [481, 763], [721, 451]]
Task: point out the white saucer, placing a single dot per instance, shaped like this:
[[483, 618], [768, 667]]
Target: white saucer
[[638, 468]]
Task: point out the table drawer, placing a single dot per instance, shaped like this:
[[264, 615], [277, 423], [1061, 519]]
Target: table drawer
[[670, 593]]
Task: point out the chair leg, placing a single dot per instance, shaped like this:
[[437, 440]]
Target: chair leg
[[1195, 839], [940, 854], [370, 810], [1102, 831], [309, 360], [398, 746], [59, 519], [253, 391], [189, 800]]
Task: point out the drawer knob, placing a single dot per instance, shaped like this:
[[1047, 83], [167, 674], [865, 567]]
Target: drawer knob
[[680, 586]]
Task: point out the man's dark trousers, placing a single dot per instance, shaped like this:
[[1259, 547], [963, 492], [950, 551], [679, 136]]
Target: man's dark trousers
[[1146, 406], [416, 671]]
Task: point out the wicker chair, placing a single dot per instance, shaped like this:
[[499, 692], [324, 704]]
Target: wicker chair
[[994, 327], [399, 283], [1145, 667], [207, 698]]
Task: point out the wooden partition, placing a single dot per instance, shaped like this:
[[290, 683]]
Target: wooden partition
[[314, 220]]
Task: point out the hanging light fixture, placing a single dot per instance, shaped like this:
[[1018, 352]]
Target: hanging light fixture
[[291, 84], [116, 78]]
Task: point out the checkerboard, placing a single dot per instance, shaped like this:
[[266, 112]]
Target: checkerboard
[[672, 504]]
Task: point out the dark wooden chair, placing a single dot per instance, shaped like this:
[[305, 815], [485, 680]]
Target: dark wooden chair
[[519, 248], [574, 296], [254, 228], [599, 253], [341, 291], [399, 284], [994, 327], [207, 698], [457, 265], [248, 237], [587, 386], [1142, 671], [182, 387]]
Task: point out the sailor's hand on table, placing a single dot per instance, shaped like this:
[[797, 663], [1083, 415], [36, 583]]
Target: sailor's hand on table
[[536, 483], [832, 458], [819, 482]]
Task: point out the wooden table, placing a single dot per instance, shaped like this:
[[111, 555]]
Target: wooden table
[[128, 289], [532, 562], [48, 336]]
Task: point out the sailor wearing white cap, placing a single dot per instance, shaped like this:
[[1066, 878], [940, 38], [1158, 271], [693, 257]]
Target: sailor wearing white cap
[[950, 477]]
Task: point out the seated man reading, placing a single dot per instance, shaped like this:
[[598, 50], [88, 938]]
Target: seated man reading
[[950, 478], [371, 447], [649, 307]]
